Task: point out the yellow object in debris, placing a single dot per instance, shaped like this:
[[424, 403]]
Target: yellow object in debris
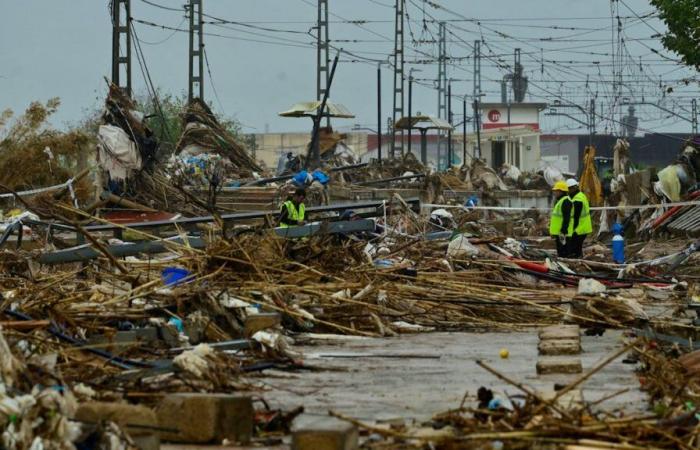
[[14, 212], [670, 183], [589, 182], [504, 353]]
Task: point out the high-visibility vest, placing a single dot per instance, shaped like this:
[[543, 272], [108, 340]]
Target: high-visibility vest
[[557, 218], [293, 213], [585, 225]]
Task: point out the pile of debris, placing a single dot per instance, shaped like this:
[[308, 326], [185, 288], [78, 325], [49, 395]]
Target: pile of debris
[[203, 135]]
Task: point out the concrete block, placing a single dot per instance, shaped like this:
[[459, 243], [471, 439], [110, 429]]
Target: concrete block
[[560, 332], [325, 433], [261, 321], [559, 365], [139, 417], [554, 347], [206, 418]]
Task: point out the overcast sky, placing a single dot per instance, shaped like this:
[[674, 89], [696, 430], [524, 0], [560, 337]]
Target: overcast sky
[[62, 48]]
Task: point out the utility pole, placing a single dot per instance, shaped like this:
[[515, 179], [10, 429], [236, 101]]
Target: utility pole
[[464, 131], [379, 111], [477, 126], [442, 84], [694, 105], [323, 60], [196, 59], [477, 69], [449, 119], [398, 76], [410, 108], [591, 121], [121, 44]]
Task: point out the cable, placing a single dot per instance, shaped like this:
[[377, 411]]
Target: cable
[[141, 58], [211, 82], [167, 8]]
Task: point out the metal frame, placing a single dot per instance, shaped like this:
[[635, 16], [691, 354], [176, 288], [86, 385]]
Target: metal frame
[[196, 53], [121, 34], [399, 61]]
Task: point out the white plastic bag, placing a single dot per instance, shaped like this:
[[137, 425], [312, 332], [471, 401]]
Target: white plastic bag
[[460, 247], [117, 153]]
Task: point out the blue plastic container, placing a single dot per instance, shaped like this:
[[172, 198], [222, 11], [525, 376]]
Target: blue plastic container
[[618, 244], [172, 276]]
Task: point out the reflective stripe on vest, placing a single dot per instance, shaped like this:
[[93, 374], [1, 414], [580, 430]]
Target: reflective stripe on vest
[[293, 213], [557, 218], [585, 225]]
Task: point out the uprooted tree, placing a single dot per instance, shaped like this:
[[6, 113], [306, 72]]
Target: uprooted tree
[[682, 17]]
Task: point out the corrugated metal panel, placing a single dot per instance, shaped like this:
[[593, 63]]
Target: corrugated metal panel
[[687, 222]]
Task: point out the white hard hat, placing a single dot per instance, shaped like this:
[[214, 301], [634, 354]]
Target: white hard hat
[[571, 182]]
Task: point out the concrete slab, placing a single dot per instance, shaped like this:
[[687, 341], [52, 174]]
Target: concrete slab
[[551, 364], [560, 332], [323, 433], [553, 347], [371, 388]]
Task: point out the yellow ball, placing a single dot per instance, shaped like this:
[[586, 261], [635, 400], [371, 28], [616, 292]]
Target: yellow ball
[[504, 353]]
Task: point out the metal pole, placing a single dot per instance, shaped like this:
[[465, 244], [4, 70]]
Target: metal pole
[[315, 148], [399, 61], [322, 49], [449, 119], [694, 104], [379, 112], [121, 56], [477, 126], [464, 131], [196, 50], [410, 109], [424, 146]]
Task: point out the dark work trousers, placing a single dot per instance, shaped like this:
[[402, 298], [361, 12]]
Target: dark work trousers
[[561, 247], [575, 246]]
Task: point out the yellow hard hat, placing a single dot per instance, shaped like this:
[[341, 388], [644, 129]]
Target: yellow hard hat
[[560, 186]]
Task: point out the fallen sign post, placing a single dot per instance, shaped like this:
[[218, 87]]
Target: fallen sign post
[[87, 252]]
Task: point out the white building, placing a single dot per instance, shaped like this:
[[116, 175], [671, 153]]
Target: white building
[[509, 134]]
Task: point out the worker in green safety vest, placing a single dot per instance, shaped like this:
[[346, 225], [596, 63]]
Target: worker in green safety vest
[[580, 225], [293, 210], [559, 220]]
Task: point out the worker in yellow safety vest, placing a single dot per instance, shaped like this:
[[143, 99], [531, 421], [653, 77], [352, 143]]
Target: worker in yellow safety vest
[[293, 210], [580, 224], [559, 220]]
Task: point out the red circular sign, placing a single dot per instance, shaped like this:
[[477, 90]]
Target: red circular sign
[[494, 115]]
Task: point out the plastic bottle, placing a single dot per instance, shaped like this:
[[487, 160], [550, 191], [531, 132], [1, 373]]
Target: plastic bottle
[[618, 244]]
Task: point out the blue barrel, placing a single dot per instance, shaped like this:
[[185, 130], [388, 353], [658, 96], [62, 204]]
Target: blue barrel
[[618, 244]]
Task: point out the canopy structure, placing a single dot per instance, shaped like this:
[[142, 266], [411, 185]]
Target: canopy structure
[[310, 109], [423, 124]]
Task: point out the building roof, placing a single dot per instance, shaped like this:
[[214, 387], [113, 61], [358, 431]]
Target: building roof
[[537, 105]]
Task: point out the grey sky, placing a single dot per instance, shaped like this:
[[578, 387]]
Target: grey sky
[[62, 48]]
